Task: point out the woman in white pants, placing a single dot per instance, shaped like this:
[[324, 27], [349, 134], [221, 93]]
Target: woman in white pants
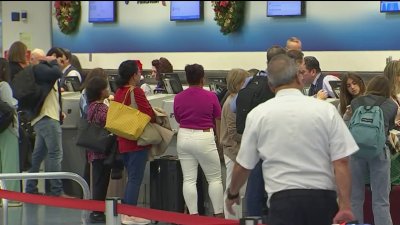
[[198, 111]]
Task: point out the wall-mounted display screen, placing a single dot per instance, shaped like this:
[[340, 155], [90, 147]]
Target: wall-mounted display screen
[[101, 11], [390, 6], [285, 8], [185, 10]]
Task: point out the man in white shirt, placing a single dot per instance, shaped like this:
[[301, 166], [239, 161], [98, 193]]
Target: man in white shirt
[[304, 145]]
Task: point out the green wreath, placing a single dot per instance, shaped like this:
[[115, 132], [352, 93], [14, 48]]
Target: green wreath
[[67, 14], [229, 15]]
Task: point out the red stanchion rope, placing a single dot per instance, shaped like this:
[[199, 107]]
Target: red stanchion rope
[[93, 205], [172, 217]]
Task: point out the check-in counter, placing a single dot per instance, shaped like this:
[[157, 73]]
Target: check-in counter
[[158, 99], [74, 159]]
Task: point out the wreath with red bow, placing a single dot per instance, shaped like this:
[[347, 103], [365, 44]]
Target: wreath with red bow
[[67, 14], [229, 15]]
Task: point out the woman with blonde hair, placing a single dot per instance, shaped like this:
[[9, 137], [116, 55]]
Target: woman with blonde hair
[[230, 139], [392, 72]]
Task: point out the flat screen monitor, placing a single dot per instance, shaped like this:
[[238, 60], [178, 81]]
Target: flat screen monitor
[[216, 84], [172, 83], [185, 10], [390, 6], [285, 8], [72, 84], [101, 11], [112, 82], [335, 84]]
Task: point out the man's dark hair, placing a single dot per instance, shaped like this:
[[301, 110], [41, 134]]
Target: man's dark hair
[[57, 51], [312, 63], [297, 55], [274, 51], [67, 53]]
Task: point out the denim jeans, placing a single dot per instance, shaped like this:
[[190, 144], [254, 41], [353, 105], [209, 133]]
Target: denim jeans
[[47, 143], [379, 171], [135, 164], [256, 200]]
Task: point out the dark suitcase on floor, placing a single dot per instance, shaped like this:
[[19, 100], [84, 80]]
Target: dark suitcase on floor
[[394, 205], [166, 185]]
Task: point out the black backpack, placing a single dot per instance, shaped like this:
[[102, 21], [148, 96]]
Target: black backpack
[[27, 91], [6, 115], [256, 92], [24, 86]]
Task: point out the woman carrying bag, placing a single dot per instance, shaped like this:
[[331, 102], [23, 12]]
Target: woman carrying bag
[[134, 156], [96, 92]]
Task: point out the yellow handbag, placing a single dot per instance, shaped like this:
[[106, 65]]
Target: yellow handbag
[[125, 121]]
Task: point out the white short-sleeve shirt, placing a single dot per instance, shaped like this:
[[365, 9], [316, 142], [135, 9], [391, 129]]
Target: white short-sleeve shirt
[[297, 137]]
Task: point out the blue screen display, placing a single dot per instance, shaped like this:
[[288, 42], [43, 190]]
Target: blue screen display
[[185, 10], [101, 11], [284, 8], [390, 6]]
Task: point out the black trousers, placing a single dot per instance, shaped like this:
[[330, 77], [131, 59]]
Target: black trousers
[[100, 178], [302, 207]]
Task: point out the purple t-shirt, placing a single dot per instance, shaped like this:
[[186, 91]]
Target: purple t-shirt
[[196, 108]]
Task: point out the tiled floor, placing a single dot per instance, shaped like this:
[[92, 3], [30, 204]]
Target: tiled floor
[[30, 214], [42, 215]]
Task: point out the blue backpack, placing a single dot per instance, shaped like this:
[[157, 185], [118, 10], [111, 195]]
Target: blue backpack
[[367, 126]]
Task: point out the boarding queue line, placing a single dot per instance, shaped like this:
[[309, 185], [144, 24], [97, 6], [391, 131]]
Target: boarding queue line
[[112, 206]]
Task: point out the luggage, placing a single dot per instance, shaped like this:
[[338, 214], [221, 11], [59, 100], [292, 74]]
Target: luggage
[[166, 182], [394, 205]]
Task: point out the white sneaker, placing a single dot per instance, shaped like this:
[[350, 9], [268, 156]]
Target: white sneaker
[[128, 220]]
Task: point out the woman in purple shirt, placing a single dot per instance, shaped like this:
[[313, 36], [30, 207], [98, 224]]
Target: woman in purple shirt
[[197, 111]]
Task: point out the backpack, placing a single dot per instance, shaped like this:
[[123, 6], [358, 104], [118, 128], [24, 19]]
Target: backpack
[[6, 115], [26, 90], [256, 92], [367, 125]]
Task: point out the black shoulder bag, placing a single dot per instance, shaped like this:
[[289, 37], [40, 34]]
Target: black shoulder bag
[[95, 137]]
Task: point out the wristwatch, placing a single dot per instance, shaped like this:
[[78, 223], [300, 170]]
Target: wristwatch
[[231, 196]]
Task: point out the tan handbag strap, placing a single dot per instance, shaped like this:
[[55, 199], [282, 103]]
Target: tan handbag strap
[[126, 94], [133, 101]]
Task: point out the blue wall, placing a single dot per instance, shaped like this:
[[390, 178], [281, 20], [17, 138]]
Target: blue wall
[[327, 26]]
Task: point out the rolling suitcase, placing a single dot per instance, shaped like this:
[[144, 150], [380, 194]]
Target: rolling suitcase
[[166, 184]]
